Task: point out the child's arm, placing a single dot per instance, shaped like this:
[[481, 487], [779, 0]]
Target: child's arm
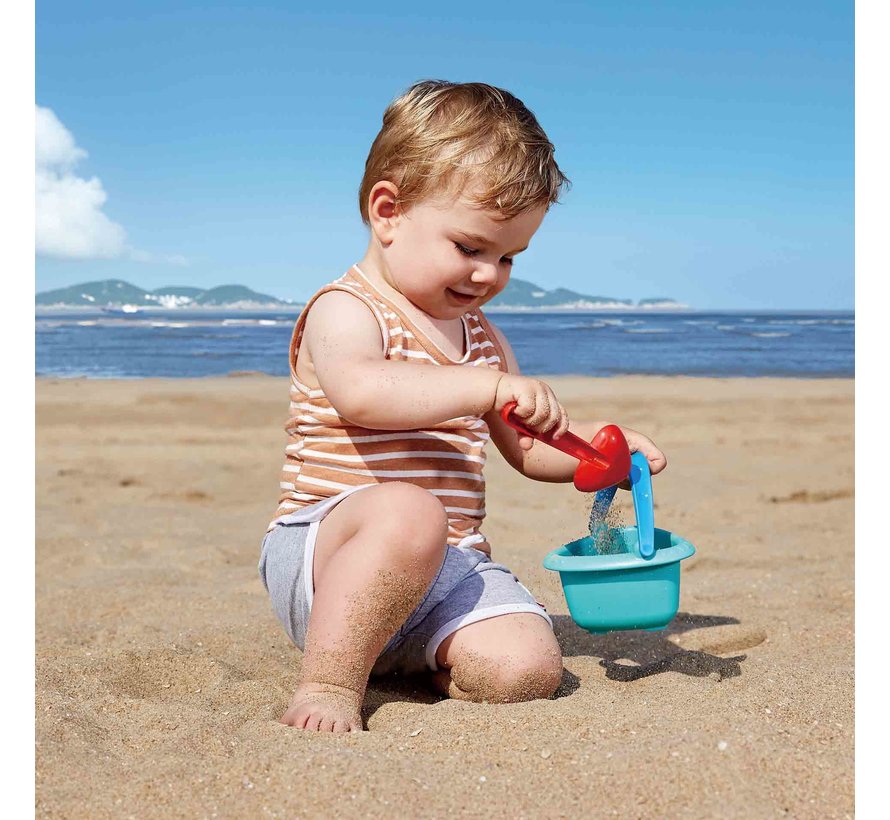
[[545, 463], [343, 340]]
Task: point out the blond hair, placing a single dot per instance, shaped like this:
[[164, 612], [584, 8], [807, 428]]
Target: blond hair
[[439, 134]]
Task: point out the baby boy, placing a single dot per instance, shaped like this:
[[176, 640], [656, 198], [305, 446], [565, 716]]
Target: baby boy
[[375, 561]]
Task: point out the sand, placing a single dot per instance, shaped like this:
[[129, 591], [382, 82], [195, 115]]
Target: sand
[[161, 671]]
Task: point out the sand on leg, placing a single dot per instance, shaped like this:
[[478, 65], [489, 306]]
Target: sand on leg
[[376, 554], [505, 659]]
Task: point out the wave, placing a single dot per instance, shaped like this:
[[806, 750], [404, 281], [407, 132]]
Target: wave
[[248, 322], [811, 321], [581, 326]]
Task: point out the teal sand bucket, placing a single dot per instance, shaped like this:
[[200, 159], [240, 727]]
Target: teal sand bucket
[[636, 585]]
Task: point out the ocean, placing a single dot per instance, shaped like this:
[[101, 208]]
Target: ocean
[[180, 344]]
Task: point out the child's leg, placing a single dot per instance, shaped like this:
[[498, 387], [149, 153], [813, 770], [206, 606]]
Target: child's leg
[[504, 659], [376, 554]]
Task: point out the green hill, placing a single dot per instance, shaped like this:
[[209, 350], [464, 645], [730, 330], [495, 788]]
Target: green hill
[[659, 301], [521, 293], [95, 294], [232, 294], [116, 292]]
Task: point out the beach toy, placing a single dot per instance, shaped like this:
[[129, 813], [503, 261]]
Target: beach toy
[[616, 578], [603, 462], [636, 583]]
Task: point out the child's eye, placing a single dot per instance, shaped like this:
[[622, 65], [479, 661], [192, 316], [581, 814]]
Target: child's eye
[[507, 260]]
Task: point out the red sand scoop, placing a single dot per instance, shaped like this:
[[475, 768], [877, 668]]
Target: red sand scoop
[[604, 462]]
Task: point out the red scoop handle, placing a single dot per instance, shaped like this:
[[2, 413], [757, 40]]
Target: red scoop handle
[[569, 443]]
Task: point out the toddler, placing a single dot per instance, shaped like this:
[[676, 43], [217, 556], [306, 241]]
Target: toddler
[[375, 562]]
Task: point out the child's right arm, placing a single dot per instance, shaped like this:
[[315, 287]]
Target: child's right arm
[[343, 340]]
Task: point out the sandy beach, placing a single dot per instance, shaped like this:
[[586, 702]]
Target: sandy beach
[[161, 670]]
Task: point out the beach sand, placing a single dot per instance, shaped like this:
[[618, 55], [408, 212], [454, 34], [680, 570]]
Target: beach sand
[[161, 670]]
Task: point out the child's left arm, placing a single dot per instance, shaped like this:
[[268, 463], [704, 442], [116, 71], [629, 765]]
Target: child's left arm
[[544, 463]]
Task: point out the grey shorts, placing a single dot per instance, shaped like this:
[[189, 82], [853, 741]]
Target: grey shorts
[[469, 587]]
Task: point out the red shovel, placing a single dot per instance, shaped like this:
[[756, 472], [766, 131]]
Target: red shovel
[[604, 462]]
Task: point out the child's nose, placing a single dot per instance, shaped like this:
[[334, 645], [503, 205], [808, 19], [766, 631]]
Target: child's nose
[[485, 274]]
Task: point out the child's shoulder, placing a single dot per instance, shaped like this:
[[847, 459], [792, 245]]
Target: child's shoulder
[[334, 328], [347, 289], [338, 309]]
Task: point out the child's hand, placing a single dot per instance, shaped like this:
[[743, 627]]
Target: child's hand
[[638, 443], [536, 405]]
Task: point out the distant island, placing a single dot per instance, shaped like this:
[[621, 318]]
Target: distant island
[[117, 296]]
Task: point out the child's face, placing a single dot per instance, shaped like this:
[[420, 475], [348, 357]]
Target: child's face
[[448, 256]]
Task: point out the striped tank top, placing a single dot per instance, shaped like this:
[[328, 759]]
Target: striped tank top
[[326, 455]]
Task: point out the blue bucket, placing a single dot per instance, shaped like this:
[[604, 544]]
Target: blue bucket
[[623, 589]]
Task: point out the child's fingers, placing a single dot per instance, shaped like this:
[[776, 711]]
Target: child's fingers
[[525, 442], [657, 462], [547, 411], [563, 425], [555, 411], [558, 422], [542, 408], [525, 405]]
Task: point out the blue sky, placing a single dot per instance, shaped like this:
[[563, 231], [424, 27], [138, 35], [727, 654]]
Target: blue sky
[[710, 144]]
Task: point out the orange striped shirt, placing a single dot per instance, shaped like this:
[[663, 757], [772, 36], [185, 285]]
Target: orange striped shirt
[[327, 455]]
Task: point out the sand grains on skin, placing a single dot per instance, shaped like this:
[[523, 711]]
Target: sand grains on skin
[[335, 675]]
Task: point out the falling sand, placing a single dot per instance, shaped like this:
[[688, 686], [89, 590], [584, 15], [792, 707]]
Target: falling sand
[[604, 538]]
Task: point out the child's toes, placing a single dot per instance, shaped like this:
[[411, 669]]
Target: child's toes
[[326, 724], [313, 722], [294, 717]]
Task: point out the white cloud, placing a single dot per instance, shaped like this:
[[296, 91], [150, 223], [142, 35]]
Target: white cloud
[[55, 144], [69, 220]]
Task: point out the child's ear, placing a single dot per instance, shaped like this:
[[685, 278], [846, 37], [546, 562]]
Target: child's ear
[[384, 210]]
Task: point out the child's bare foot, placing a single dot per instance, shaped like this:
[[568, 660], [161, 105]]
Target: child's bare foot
[[323, 707]]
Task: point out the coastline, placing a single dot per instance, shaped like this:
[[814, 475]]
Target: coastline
[[161, 670], [295, 309]]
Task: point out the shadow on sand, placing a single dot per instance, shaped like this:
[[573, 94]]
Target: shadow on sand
[[629, 656], [626, 656]]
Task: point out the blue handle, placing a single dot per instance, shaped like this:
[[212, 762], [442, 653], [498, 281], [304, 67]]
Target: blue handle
[[641, 491]]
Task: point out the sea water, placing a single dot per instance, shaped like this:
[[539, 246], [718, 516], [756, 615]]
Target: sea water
[[180, 343]]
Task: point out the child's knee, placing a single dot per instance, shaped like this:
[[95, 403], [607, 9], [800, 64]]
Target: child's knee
[[508, 678], [415, 522]]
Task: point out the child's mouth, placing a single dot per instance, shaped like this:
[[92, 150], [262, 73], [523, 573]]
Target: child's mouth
[[461, 298]]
